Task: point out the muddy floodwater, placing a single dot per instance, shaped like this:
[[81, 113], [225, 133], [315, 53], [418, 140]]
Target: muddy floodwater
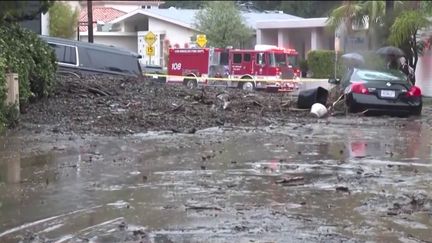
[[363, 181]]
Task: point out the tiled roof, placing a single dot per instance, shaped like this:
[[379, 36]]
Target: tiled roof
[[104, 14]]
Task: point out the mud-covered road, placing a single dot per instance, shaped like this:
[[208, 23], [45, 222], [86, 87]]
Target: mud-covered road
[[138, 162], [341, 179]]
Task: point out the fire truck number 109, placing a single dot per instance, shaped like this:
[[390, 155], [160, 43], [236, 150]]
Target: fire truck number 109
[[176, 66]]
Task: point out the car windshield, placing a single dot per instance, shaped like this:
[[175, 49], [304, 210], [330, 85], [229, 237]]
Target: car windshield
[[378, 75]]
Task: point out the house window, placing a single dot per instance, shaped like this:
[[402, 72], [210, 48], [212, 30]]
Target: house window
[[237, 58], [65, 54], [247, 57]]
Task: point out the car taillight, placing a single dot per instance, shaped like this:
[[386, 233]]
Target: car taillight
[[359, 88], [414, 92]]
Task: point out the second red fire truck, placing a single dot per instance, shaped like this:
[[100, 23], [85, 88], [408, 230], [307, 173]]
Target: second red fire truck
[[265, 67]]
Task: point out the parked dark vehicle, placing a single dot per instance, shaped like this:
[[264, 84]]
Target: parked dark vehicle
[[83, 57], [380, 92]]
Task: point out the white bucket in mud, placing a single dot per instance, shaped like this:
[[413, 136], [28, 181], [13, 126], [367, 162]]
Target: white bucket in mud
[[319, 110]]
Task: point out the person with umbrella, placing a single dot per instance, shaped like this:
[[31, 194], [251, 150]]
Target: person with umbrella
[[392, 54], [407, 70]]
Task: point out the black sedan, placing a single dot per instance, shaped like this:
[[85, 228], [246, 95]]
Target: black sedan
[[380, 92]]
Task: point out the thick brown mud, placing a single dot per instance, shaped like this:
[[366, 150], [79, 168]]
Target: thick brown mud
[[333, 180]]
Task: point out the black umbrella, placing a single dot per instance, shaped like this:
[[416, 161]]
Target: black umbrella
[[390, 51], [353, 59]]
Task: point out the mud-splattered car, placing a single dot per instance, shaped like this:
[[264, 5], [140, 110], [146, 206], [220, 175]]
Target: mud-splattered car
[[380, 92]]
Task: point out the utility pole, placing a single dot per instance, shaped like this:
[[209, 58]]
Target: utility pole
[[90, 20], [389, 5]]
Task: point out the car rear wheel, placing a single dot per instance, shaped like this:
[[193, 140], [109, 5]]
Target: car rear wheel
[[417, 111]]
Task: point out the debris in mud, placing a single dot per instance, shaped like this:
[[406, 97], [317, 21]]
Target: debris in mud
[[411, 204], [103, 104], [342, 189], [202, 207], [291, 181]]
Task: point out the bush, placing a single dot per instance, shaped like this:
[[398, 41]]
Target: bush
[[23, 52], [321, 64]]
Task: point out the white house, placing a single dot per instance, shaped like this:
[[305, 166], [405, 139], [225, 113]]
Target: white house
[[307, 34], [176, 25]]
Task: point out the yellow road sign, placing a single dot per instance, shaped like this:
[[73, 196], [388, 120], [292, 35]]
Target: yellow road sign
[[201, 40], [150, 38], [150, 50]]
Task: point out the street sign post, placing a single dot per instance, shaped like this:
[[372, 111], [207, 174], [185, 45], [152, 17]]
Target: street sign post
[[150, 39], [150, 51], [201, 40]]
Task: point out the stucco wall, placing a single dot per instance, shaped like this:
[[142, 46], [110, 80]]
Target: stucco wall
[[424, 73], [126, 42], [269, 37], [176, 34], [297, 38]]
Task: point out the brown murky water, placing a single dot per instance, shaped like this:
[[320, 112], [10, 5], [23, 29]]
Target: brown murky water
[[299, 183]]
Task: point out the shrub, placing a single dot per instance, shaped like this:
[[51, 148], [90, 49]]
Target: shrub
[[23, 52], [321, 64], [29, 56]]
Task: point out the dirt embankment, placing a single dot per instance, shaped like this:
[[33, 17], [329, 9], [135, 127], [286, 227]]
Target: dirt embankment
[[116, 105]]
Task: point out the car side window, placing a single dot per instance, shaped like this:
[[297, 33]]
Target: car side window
[[65, 54], [112, 61]]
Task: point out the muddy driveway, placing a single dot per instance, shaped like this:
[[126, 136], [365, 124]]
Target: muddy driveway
[[341, 179]]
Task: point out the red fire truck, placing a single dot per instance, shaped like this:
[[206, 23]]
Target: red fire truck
[[265, 67]]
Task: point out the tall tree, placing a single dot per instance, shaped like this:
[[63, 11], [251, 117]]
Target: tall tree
[[223, 24], [63, 20], [183, 4], [16, 11]]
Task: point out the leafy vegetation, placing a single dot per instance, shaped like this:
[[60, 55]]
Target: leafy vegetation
[[222, 23], [63, 20], [386, 23], [183, 4], [15, 11], [404, 34], [322, 64], [23, 52], [306, 9]]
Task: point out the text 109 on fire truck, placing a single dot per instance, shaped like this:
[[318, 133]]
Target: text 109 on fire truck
[[265, 67]]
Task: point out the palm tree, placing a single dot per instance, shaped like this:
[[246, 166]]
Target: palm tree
[[345, 16], [369, 15], [404, 33]]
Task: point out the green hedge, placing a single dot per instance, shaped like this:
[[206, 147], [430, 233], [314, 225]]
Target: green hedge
[[23, 52], [321, 63]]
